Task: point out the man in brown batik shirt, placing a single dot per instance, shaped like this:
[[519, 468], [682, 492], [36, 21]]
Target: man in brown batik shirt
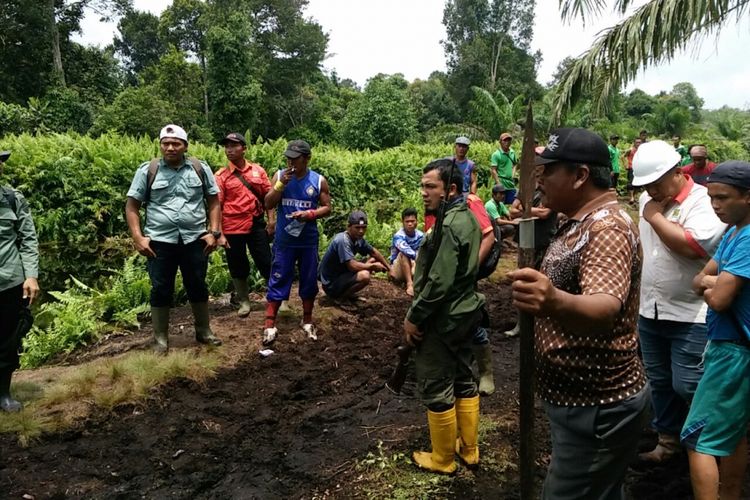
[[585, 300]]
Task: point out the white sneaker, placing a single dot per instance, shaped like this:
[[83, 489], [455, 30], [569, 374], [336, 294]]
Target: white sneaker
[[310, 330], [269, 335], [514, 332]]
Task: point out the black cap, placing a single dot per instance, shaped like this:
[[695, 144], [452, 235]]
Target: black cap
[[358, 218], [614, 136], [498, 188], [4, 155], [733, 172], [233, 137], [297, 148], [575, 145]]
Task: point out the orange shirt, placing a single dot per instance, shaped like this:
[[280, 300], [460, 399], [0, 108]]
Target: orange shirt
[[475, 204], [238, 205]]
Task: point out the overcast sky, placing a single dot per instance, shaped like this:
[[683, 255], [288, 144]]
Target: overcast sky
[[403, 36]]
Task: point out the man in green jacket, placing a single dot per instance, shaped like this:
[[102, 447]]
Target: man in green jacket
[[19, 269], [442, 318]]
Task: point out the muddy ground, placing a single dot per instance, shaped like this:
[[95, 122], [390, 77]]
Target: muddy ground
[[293, 425]]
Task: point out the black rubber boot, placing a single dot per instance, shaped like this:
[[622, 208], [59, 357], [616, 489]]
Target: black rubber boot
[[203, 333], [160, 324], [7, 403]]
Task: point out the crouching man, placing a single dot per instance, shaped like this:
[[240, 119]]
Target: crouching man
[[442, 319], [341, 274], [404, 249]]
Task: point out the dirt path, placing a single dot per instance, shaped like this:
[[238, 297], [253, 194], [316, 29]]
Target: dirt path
[[293, 425]]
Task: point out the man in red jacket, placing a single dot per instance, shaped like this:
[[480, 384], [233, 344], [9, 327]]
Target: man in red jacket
[[242, 188]]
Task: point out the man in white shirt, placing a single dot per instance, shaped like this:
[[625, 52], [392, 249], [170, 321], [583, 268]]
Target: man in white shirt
[[679, 232]]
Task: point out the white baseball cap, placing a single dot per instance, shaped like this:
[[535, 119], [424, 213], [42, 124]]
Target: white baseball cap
[[175, 131], [652, 160]]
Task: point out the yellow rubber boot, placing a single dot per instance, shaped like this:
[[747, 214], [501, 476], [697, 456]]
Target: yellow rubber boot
[[467, 417], [443, 438]]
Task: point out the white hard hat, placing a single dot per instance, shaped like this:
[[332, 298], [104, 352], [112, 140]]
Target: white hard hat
[[175, 131], [652, 160]]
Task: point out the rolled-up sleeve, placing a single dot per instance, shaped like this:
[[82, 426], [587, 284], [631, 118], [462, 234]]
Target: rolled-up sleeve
[[138, 185], [703, 229], [211, 187]]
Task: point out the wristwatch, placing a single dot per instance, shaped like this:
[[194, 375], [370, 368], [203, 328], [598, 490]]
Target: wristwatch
[[216, 234]]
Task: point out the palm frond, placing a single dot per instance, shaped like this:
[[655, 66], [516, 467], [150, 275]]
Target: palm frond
[[502, 99], [486, 109], [483, 102], [572, 9], [655, 33]]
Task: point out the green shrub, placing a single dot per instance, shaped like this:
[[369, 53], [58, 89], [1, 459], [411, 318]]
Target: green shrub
[[71, 320], [14, 119]]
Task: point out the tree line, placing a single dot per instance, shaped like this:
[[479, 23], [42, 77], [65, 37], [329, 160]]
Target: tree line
[[256, 66]]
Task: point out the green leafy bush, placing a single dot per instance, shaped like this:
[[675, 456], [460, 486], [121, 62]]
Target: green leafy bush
[[71, 320], [14, 119]]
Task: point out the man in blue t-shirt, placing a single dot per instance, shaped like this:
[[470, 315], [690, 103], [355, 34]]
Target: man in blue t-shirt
[[465, 165], [716, 425], [406, 243], [341, 274]]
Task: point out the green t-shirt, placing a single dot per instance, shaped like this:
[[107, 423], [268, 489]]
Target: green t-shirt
[[683, 152], [504, 163], [614, 158], [497, 210]]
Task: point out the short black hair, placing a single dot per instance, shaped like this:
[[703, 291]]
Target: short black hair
[[600, 175], [408, 212], [643, 131], [446, 167]]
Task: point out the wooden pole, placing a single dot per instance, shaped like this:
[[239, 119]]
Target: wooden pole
[[526, 251]]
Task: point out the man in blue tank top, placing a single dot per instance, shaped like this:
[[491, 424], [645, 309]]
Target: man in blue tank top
[[302, 196], [467, 167]]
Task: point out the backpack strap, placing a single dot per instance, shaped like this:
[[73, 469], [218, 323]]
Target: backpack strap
[[198, 167], [153, 167], [249, 186]]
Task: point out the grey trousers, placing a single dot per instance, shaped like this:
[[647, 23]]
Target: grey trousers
[[592, 447]]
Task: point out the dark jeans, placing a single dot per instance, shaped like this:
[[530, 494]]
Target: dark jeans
[[673, 357], [591, 448], [256, 241], [162, 270], [11, 302]]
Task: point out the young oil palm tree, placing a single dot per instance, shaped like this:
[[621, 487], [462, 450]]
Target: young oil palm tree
[[496, 114]]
